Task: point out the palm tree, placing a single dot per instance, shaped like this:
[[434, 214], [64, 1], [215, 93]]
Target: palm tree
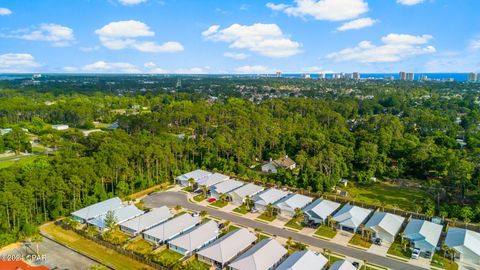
[[365, 264], [329, 221], [403, 241], [248, 202], [204, 190], [203, 213], [257, 232], [328, 253], [226, 225], [37, 238], [177, 208], [289, 242], [191, 182], [299, 216], [269, 209]]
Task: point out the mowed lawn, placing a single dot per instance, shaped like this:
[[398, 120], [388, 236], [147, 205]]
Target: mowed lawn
[[105, 255], [392, 195]]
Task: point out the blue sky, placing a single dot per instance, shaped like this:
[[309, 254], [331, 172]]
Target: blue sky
[[239, 36]]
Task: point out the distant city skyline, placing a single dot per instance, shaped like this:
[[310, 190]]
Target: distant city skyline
[[240, 37]]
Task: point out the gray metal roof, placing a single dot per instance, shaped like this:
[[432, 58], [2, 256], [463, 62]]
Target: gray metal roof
[[304, 260], [262, 256], [351, 216], [422, 230], [227, 186], [121, 215], [463, 240], [196, 175], [247, 190], [197, 237], [270, 195], [172, 227], [228, 246], [342, 265], [148, 220], [293, 201], [388, 222], [213, 179], [321, 208], [97, 209]]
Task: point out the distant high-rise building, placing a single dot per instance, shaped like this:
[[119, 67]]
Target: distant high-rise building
[[402, 76], [306, 76], [389, 78], [279, 74], [410, 76], [321, 76], [424, 78], [356, 75], [478, 77], [472, 77]]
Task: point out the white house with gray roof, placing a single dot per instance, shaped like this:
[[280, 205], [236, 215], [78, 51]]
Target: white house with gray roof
[[196, 175], [466, 244], [95, 210], [212, 179], [318, 211], [121, 214], [342, 265], [171, 229], [349, 217], [188, 243], [265, 255], [385, 226], [304, 260], [237, 196], [423, 234], [224, 187], [146, 221], [287, 205], [226, 248], [271, 195]]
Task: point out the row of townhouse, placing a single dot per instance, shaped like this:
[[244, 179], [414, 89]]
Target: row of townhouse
[[422, 234]]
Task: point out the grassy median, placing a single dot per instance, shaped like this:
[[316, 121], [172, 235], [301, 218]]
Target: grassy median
[[107, 256]]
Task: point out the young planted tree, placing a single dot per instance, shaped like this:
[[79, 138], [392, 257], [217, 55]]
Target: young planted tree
[[110, 220]]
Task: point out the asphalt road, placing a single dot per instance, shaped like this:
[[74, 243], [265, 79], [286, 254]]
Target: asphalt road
[[55, 256], [176, 198]]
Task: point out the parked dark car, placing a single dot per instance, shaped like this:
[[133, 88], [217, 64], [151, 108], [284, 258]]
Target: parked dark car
[[377, 241], [221, 225], [356, 264]]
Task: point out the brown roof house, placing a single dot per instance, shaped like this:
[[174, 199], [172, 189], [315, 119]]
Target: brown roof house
[[283, 162]]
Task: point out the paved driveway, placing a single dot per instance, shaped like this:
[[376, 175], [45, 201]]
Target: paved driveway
[[176, 198], [56, 256]]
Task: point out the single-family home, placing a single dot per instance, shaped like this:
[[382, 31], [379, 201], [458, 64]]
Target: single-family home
[[287, 205], [97, 209], [196, 175], [271, 195], [237, 196], [466, 244], [265, 255], [188, 243], [146, 221], [226, 248], [224, 187], [60, 127], [212, 179], [385, 226], [342, 265], [304, 260], [349, 217], [171, 229], [318, 211], [283, 162], [423, 234], [121, 214]]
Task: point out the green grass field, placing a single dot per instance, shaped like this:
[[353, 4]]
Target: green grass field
[[326, 232], [360, 241], [7, 163], [396, 250], [167, 258], [242, 209], [294, 224], [389, 195], [264, 216], [140, 246], [439, 261], [199, 198], [219, 203], [107, 256]]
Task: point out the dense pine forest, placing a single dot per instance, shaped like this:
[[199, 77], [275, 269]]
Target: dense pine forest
[[422, 134]]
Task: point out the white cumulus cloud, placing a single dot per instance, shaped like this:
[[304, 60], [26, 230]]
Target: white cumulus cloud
[[154, 69], [194, 70], [357, 24], [328, 10], [57, 35], [125, 34], [17, 62], [257, 69], [131, 2], [264, 39], [236, 56], [409, 2], [475, 44], [5, 11], [106, 67], [395, 47]]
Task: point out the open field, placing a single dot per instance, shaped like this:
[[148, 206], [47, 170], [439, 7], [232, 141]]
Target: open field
[[7, 162], [94, 250]]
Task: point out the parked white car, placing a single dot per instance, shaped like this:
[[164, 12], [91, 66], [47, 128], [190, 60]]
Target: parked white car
[[415, 253]]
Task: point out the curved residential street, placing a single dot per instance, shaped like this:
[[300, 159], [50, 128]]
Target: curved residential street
[[176, 198]]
